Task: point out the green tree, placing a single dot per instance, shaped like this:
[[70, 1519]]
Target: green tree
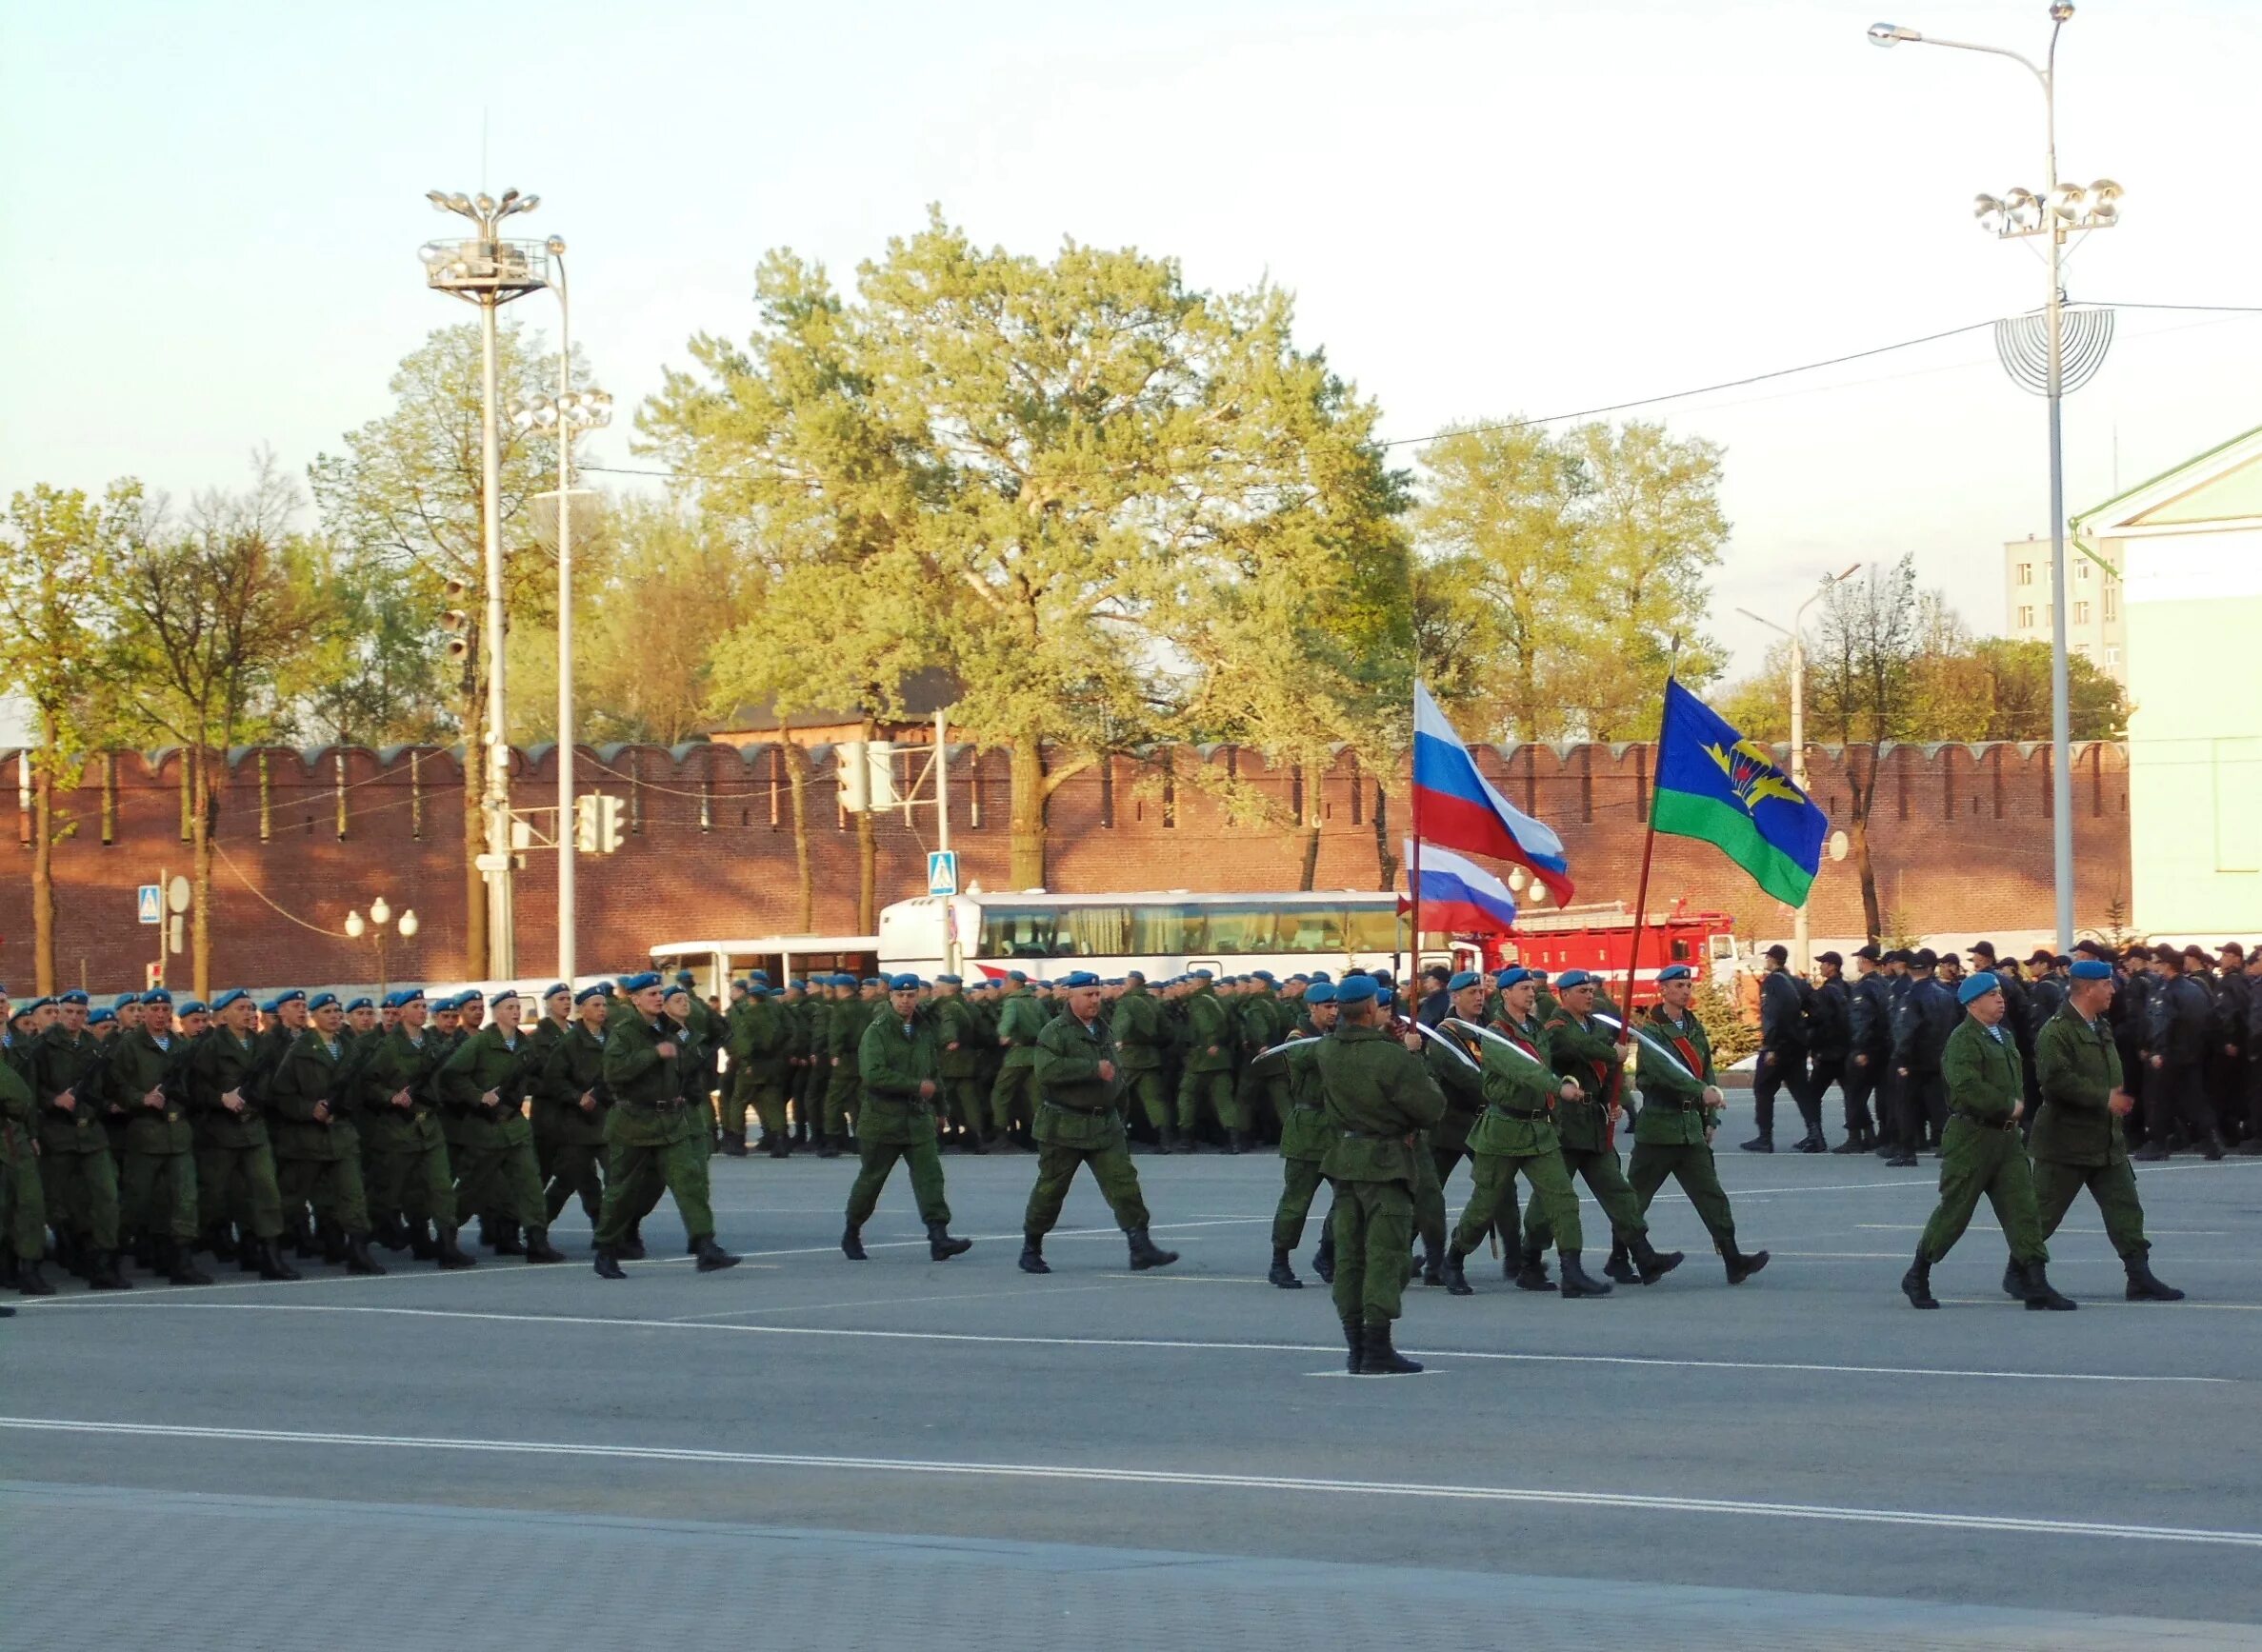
[[60, 552], [216, 614], [376, 678], [1865, 691], [405, 500]]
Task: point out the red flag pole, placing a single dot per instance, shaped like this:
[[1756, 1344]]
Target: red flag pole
[[1641, 891], [1413, 883]]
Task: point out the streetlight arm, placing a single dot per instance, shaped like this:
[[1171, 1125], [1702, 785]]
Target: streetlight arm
[[1762, 619], [2041, 76]]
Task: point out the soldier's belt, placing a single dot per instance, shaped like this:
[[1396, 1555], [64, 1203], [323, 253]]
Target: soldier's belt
[[1516, 1113], [1308, 1107], [1374, 1136], [675, 1105], [1071, 1107], [1972, 1118]]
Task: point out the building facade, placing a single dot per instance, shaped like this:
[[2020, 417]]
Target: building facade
[[2096, 618]]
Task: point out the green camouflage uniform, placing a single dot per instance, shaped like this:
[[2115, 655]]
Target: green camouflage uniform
[[897, 1121], [654, 1141], [1584, 1052], [1980, 1150], [1515, 1136], [409, 1171], [1078, 1123], [1669, 1136], [1378, 1097], [2077, 1141]]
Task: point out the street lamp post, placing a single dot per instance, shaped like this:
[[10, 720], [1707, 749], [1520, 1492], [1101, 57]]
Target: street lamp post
[[565, 415], [2060, 210], [1800, 938], [374, 927], [489, 273]]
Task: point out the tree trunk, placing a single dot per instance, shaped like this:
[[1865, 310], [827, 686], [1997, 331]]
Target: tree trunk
[[43, 854], [1310, 871], [797, 786], [1858, 799], [1027, 782], [474, 964], [200, 834], [1386, 859], [867, 845]]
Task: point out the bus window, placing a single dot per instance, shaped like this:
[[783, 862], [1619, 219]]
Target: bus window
[[1167, 931], [1370, 929], [1311, 929], [1094, 932], [1016, 932], [1244, 929]]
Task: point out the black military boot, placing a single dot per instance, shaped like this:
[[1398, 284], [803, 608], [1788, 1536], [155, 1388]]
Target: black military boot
[[270, 1263], [29, 1281], [1165, 1140], [1619, 1266], [1741, 1265], [1858, 1140], [1916, 1285], [1323, 1259], [2042, 1295], [421, 1245], [1233, 1141], [7, 1268], [608, 1264], [145, 1252], [1812, 1142], [734, 1144], [2214, 1148], [1760, 1144], [103, 1273], [506, 1240], [1433, 1264], [179, 1267], [851, 1241], [301, 1235], [1652, 1265], [1282, 1273], [220, 1240], [632, 1249], [941, 1246], [1377, 1358], [829, 1148], [390, 1231], [1355, 1338], [1456, 1276], [448, 1252], [780, 1145], [248, 1255], [2014, 1281], [973, 1141], [1531, 1271], [2143, 1287], [1145, 1253], [1033, 1255], [358, 1259], [712, 1257], [330, 1241], [1577, 1282], [539, 1248]]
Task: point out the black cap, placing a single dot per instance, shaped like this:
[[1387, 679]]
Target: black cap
[[1925, 958], [1779, 952], [1870, 952], [2041, 955], [1830, 958], [1981, 949]]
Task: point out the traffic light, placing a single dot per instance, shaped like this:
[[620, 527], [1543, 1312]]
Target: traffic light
[[610, 832], [456, 623], [597, 825], [585, 823]]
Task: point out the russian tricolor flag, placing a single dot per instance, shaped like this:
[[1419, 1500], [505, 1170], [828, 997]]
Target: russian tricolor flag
[[1458, 808], [1459, 896]]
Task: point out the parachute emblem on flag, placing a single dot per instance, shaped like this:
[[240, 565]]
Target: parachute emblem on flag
[[1753, 775]]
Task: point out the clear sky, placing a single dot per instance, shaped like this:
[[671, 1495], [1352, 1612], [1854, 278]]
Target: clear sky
[[212, 212]]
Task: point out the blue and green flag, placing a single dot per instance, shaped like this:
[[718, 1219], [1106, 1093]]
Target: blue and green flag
[[1714, 785]]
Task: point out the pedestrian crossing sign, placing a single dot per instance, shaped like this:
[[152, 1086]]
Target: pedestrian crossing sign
[[149, 904], [942, 871]]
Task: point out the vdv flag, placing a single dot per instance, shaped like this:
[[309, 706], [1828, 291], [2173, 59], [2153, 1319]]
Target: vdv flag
[[1458, 895], [1461, 810], [1714, 785]]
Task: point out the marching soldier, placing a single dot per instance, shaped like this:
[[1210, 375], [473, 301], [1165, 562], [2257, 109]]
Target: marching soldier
[[2077, 1141], [2179, 1026], [1981, 1152], [78, 1173], [317, 1147], [1379, 1098], [1014, 1097], [1681, 1101], [958, 1036], [235, 1163], [550, 1027], [410, 1169], [1922, 1019], [1142, 1039], [1305, 1134], [157, 1191], [1206, 1084], [1868, 1048], [1078, 1124], [1783, 1046], [816, 1058], [900, 1068], [761, 1040], [1455, 1059], [1586, 1125], [655, 1144], [486, 1082], [570, 1091], [23, 1202]]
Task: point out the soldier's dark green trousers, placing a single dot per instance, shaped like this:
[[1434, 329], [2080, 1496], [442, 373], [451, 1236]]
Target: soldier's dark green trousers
[[637, 1175], [1599, 1169], [81, 1190], [157, 1194], [1110, 1167], [1976, 1159], [499, 1177], [414, 1183], [575, 1168], [766, 1097], [879, 1159], [969, 1102], [1508, 1219], [1300, 1180], [22, 1206], [332, 1186], [1554, 1204], [1214, 1090], [238, 1185], [1429, 1198], [2113, 1186], [1373, 1226], [1690, 1164], [1148, 1091], [840, 1101], [1014, 1099]]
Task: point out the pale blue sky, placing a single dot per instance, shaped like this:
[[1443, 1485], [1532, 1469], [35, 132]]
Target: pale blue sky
[[207, 238]]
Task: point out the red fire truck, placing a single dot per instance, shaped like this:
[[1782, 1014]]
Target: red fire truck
[[1599, 937]]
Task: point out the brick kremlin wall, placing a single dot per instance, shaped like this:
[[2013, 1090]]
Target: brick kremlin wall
[[1961, 840]]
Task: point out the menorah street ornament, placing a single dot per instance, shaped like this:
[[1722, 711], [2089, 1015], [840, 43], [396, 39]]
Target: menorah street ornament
[[2022, 344]]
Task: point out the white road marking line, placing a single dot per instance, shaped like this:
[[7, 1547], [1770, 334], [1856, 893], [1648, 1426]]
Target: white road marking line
[[981, 1338], [2093, 1302], [972, 1296], [1993, 1524], [2063, 1232]]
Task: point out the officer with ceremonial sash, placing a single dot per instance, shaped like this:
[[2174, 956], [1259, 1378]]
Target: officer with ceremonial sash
[[1681, 1103]]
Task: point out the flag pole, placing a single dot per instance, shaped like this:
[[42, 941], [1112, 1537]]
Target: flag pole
[[1411, 982], [1641, 889]]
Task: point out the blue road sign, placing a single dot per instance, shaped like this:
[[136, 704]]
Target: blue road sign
[[148, 902], [942, 871]]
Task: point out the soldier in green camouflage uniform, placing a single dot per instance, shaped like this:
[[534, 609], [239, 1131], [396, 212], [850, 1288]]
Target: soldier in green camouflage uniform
[[899, 1064], [1206, 1084], [235, 1163], [959, 1048], [1681, 1099], [1079, 1123], [760, 1034], [23, 1202], [1305, 1134], [570, 1091], [1455, 1059], [410, 1171], [486, 1081], [78, 1170], [317, 1145], [655, 1141], [157, 1189], [1013, 1094]]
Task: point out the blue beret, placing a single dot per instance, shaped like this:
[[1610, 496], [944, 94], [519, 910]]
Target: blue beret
[[400, 997], [188, 1006], [2091, 969], [73, 996], [904, 984], [1466, 979], [1572, 978], [1078, 978], [761, 975], [876, 981], [229, 997], [1264, 975], [1204, 975], [556, 989], [639, 983], [676, 990], [156, 996], [1514, 975], [1320, 977], [1319, 992], [25, 1009], [294, 995], [1979, 986], [685, 978], [99, 1016], [1675, 972], [1015, 975], [501, 995], [124, 999], [1385, 996], [354, 1004], [322, 1001], [1356, 989], [602, 989], [949, 981]]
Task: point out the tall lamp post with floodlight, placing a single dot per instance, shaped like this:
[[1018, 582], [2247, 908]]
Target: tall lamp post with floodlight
[[489, 273], [374, 927], [2060, 210], [565, 415], [1796, 631]]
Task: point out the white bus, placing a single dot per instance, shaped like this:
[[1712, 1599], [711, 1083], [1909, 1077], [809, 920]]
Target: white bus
[[1160, 933]]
